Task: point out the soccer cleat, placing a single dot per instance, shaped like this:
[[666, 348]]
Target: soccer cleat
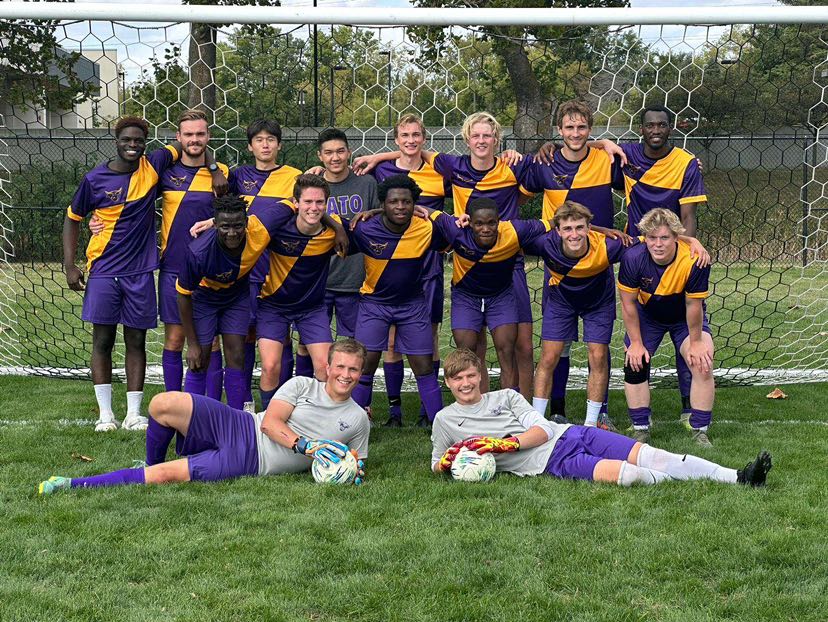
[[393, 422], [135, 423], [395, 410], [684, 419], [106, 425], [642, 436], [559, 419], [755, 473], [700, 437], [56, 482], [605, 423], [423, 422]]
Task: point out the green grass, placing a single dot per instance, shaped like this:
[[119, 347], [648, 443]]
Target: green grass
[[408, 545]]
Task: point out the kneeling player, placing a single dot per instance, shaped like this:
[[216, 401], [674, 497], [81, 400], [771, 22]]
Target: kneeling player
[[524, 443], [222, 443], [662, 291]]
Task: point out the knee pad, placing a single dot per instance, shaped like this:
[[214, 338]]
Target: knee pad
[[637, 377]]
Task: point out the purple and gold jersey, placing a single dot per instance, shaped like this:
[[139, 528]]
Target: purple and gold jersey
[[211, 274], [298, 266], [186, 198], [500, 183], [588, 182], [435, 189], [584, 282], [487, 272], [263, 189], [669, 182], [662, 290], [125, 203], [394, 262]]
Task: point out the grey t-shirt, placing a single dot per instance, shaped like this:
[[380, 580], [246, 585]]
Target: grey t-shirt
[[353, 195], [315, 416], [499, 414]]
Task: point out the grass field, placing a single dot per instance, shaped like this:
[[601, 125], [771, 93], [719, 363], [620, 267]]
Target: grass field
[[408, 545]]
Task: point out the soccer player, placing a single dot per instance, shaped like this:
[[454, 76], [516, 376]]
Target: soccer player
[[307, 420], [662, 291], [294, 292], [524, 443], [395, 247], [121, 260]]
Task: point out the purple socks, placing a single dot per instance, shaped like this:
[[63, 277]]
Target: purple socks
[[234, 387], [195, 382], [215, 376], [304, 365], [364, 390], [266, 396], [172, 365], [249, 364], [700, 418], [158, 439], [393, 386], [287, 364], [430, 395], [560, 378], [640, 416], [116, 478]]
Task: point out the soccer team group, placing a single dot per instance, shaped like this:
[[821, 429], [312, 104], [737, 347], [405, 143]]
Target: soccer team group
[[278, 250]]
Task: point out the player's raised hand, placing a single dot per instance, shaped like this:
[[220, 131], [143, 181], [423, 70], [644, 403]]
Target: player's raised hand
[[447, 459], [201, 226], [363, 164], [315, 170], [636, 355], [546, 153], [74, 279], [698, 250], [490, 444], [96, 225], [323, 450], [511, 157]]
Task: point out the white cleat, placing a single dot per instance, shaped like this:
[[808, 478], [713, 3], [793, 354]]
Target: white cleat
[[106, 425], [135, 423]]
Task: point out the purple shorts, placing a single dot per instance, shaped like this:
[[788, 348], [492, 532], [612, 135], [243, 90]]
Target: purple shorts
[[580, 448], [470, 312], [273, 323], [435, 295], [560, 321], [652, 332], [413, 326], [127, 300], [522, 299], [226, 318], [255, 288], [168, 298], [220, 442], [346, 307]]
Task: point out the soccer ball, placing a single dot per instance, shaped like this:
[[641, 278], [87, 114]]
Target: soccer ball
[[342, 472], [470, 466]]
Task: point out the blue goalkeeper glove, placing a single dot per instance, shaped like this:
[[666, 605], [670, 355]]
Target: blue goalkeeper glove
[[323, 450], [360, 476]]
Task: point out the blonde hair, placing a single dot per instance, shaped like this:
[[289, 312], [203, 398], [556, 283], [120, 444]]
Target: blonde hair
[[480, 117], [571, 210], [407, 118], [458, 361], [192, 115], [347, 345], [660, 217], [574, 107]]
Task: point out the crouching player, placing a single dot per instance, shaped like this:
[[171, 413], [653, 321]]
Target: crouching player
[[524, 443], [307, 420]]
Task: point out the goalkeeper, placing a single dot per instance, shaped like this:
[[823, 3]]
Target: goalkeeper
[[524, 443], [220, 442]]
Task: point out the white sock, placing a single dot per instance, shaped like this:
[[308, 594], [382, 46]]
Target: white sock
[[684, 467], [134, 399], [631, 474], [593, 410], [103, 394], [539, 404]]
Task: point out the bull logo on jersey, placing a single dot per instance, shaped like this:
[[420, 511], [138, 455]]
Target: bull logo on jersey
[[561, 179], [343, 425], [177, 181], [465, 250], [290, 246], [249, 184], [114, 195], [377, 248], [223, 277], [646, 281], [632, 168]]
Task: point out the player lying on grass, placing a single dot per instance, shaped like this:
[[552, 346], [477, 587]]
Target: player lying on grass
[[307, 420], [524, 443]]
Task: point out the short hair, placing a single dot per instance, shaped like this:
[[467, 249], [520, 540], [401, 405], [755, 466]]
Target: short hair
[[460, 360], [657, 108], [475, 205], [192, 115], [331, 134], [398, 181], [480, 117], [125, 122], [229, 204], [571, 210], [406, 119], [306, 180], [574, 107], [660, 217], [348, 345], [264, 125]]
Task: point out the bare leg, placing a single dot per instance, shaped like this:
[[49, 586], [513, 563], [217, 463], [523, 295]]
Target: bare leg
[[319, 355], [525, 359]]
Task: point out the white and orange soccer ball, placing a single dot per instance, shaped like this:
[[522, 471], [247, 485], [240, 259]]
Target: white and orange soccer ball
[[470, 466]]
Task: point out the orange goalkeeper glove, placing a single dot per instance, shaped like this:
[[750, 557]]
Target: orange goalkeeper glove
[[444, 464], [489, 444]]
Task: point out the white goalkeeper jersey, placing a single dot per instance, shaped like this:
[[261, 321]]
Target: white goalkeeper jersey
[[315, 416], [499, 414]]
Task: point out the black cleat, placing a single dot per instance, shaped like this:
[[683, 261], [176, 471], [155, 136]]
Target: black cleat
[[423, 422], [393, 422], [755, 473], [560, 419]]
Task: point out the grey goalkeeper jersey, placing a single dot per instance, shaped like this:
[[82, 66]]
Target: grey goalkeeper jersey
[[315, 416], [499, 414]]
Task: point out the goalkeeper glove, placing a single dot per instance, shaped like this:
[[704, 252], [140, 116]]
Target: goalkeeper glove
[[489, 444], [445, 462], [323, 450]]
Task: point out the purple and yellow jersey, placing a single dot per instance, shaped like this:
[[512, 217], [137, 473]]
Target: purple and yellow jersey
[[211, 274], [186, 198], [584, 282], [263, 189], [298, 266], [435, 189], [588, 182], [669, 182], [482, 271], [662, 290], [500, 183], [125, 203], [394, 262]]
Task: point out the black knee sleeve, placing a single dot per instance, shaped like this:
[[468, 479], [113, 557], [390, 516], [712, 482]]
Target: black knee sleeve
[[637, 377]]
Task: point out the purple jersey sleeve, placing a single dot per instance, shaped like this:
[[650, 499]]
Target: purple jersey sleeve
[[531, 175], [698, 282], [627, 273], [233, 182], [162, 159], [81, 203], [446, 227], [520, 171], [531, 233], [692, 187], [615, 249], [189, 276], [445, 164]]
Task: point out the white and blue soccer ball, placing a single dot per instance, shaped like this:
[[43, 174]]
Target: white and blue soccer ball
[[342, 472], [470, 466]]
